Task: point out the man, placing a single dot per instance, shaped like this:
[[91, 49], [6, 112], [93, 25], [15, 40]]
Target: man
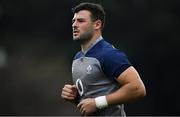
[[103, 77]]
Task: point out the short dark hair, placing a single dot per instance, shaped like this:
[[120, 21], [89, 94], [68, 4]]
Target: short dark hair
[[97, 11]]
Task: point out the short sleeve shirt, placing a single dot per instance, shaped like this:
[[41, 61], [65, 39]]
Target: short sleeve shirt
[[94, 71]]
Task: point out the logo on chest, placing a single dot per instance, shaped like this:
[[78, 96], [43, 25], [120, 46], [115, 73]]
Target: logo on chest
[[89, 69]]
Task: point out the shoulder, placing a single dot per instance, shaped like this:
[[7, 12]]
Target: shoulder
[[113, 61], [102, 47], [104, 50], [109, 51]]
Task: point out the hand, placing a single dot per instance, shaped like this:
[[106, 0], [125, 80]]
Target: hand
[[87, 106], [69, 92]]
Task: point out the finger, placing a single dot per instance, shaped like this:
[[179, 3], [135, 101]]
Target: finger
[[67, 97], [68, 94], [69, 90], [83, 112], [79, 105], [74, 86], [71, 86], [68, 85]]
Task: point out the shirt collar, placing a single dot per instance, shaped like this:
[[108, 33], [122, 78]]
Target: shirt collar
[[92, 45]]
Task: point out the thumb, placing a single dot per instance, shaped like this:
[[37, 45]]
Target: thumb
[[74, 87]]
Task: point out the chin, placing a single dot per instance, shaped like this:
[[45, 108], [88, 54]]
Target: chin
[[79, 40], [75, 38]]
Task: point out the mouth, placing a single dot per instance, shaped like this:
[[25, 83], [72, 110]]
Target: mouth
[[75, 32]]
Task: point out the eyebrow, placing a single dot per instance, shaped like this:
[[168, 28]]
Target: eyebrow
[[79, 19]]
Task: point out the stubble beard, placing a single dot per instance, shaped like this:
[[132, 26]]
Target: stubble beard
[[84, 38]]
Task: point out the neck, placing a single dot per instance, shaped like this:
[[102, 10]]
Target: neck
[[86, 45]]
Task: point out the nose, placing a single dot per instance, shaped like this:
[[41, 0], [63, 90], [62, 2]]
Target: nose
[[74, 24]]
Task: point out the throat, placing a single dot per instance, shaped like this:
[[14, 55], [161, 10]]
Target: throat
[[85, 47]]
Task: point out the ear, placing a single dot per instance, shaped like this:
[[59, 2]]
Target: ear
[[97, 24]]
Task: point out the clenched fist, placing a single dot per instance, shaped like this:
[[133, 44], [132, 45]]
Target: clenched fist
[[69, 92]]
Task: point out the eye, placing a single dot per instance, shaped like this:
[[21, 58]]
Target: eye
[[81, 20], [73, 21]]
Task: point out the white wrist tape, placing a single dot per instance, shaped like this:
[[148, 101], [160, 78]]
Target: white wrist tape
[[101, 102]]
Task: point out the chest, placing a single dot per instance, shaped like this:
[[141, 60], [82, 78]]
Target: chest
[[86, 68]]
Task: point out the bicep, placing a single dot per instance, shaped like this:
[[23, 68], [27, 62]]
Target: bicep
[[131, 87], [130, 75]]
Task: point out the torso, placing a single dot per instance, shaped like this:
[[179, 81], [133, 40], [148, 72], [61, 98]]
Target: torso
[[89, 77]]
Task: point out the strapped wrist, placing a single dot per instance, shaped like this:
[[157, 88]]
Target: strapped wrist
[[101, 102]]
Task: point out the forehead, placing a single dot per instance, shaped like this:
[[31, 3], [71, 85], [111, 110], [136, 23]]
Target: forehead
[[83, 14]]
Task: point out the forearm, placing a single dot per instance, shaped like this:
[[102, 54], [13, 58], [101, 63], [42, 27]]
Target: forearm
[[125, 94]]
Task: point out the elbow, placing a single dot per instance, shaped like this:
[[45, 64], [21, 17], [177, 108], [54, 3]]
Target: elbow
[[141, 91]]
